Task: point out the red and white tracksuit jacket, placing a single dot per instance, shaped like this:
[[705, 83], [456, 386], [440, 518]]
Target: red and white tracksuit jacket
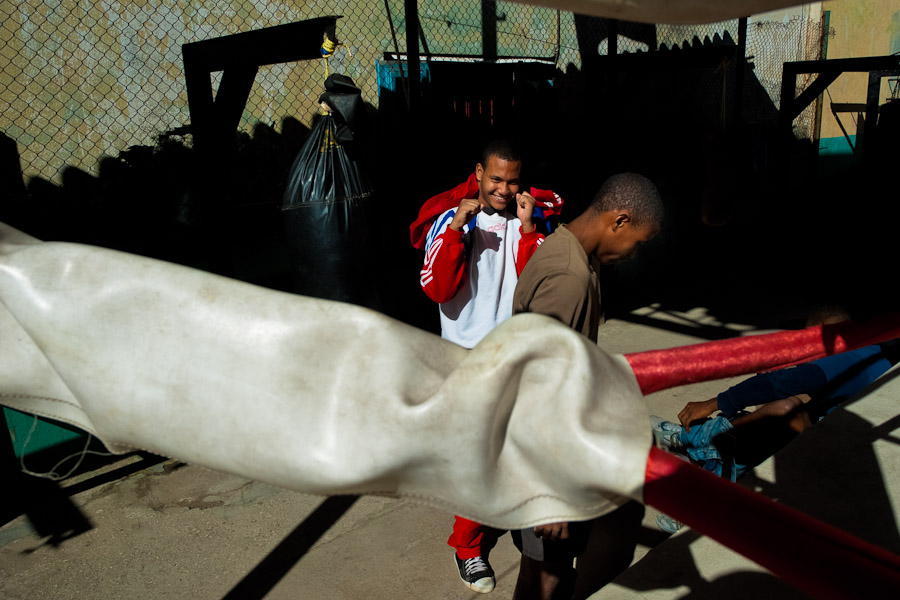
[[472, 273]]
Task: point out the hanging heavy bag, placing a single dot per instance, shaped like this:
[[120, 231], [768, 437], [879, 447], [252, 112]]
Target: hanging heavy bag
[[325, 211], [345, 100]]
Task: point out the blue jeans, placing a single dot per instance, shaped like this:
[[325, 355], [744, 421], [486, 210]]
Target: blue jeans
[[701, 446]]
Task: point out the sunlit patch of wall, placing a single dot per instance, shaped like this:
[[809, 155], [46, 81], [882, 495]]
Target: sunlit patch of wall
[[861, 28]]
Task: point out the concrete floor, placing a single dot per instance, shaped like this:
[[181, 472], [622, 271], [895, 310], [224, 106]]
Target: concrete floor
[[170, 530]]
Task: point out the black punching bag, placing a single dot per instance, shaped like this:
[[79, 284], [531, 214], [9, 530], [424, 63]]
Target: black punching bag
[[326, 207]]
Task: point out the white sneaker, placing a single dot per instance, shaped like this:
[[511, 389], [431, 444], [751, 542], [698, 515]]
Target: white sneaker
[[666, 432], [668, 524]]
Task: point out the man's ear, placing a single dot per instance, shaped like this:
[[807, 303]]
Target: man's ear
[[479, 171], [622, 219]]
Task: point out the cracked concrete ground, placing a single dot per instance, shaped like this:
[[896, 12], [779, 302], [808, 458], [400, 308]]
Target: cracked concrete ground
[[169, 530]]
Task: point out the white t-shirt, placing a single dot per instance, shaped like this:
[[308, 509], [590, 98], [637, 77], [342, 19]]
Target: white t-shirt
[[485, 296]]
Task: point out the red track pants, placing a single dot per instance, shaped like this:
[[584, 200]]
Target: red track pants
[[468, 536]]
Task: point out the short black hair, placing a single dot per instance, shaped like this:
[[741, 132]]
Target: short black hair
[[632, 192], [504, 149]]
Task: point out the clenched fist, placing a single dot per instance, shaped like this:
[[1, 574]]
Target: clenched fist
[[466, 211], [525, 211]]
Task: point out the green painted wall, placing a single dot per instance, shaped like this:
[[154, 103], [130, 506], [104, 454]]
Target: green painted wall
[[837, 146], [30, 434]]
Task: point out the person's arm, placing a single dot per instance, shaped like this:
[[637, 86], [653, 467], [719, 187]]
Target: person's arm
[[793, 408], [553, 531], [771, 386], [759, 389], [528, 243], [530, 239], [445, 253], [694, 411], [445, 262]]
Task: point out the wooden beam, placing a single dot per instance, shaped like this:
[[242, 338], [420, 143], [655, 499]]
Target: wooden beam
[[808, 96], [411, 15], [239, 56], [272, 45], [845, 65]]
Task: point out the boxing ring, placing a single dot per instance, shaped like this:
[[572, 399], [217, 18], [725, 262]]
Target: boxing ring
[[329, 398]]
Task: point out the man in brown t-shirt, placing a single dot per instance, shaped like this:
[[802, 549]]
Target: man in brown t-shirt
[[560, 281]]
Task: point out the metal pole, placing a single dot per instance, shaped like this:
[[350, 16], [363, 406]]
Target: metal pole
[[489, 29], [739, 67], [823, 54], [411, 14]]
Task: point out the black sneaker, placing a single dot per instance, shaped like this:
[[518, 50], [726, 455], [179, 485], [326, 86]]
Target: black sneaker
[[476, 573]]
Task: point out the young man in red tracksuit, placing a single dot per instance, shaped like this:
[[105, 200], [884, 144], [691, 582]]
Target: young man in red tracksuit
[[473, 256]]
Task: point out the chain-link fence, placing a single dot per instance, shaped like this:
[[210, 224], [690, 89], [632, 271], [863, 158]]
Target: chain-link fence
[[770, 44], [83, 80]]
